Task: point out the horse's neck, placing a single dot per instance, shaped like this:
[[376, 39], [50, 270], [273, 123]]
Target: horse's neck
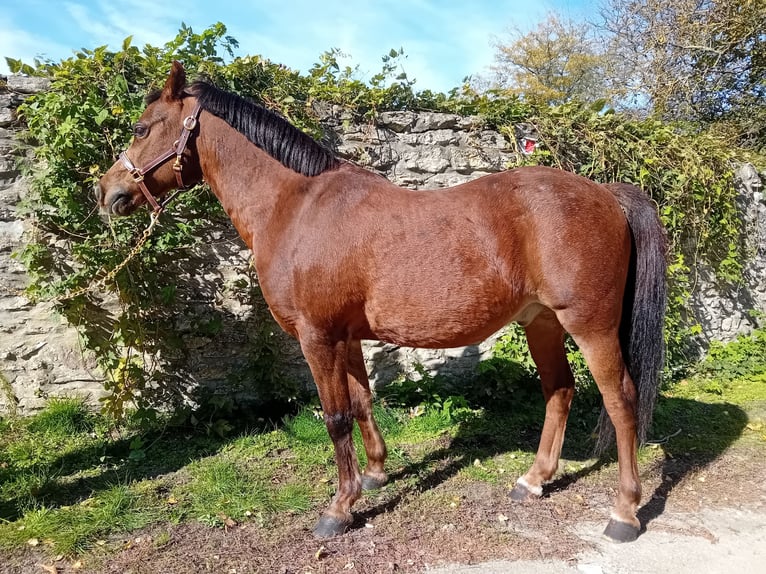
[[253, 188]]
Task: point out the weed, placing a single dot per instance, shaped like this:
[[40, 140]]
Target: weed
[[63, 416], [743, 357], [11, 399], [423, 393], [161, 539], [220, 489]]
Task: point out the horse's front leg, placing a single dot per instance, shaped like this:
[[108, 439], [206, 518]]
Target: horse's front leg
[[327, 359], [374, 475]]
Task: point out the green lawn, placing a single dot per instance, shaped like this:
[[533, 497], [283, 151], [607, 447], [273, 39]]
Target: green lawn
[[72, 481]]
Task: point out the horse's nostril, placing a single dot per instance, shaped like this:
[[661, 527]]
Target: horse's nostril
[[120, 203]]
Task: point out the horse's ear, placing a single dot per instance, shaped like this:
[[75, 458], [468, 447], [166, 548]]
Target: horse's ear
[[176, 82]]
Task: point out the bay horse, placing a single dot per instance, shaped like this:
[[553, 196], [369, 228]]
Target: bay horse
[[344, 255]]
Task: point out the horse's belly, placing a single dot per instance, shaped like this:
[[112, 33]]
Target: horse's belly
[[430, 339], [439, 324]]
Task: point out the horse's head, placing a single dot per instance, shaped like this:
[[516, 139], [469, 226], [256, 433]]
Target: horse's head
[[162, 155]]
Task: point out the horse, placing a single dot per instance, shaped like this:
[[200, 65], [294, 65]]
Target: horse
[[344, 255]]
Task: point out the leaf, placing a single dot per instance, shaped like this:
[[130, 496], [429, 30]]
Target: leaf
[[14, 65], [126, 43], [101, 117]]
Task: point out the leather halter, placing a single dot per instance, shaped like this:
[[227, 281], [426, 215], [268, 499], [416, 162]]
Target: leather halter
[[177, 149]]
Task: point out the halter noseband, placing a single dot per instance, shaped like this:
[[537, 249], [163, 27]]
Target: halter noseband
[[177, 149]]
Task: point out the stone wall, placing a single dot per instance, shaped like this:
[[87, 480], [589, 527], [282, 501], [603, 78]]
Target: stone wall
[[724, 312], [40, 354]]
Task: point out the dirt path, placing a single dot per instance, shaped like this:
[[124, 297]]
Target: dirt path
[[700, 518]]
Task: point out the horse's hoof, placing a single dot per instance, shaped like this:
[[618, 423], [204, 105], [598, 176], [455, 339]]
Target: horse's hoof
[[329, 527], [619, 531], [521, 493], [373, 483]]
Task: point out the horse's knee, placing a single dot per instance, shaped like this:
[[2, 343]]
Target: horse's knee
[[339, 425]]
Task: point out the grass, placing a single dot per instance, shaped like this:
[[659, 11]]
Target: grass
[[70, 481], [63, 417]]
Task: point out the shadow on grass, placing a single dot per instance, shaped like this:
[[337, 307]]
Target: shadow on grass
[[81, 473], [511, 422], [707, 430]]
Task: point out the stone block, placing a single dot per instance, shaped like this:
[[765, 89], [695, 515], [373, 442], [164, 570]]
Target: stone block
[[427, 121], [397, 121], [7, 117], [434, 159], [27, 84]]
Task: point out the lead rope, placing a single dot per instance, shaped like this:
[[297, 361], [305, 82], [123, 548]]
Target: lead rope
[[154, 218]]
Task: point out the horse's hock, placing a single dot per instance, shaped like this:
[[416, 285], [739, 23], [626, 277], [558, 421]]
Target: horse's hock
[[40, 355]]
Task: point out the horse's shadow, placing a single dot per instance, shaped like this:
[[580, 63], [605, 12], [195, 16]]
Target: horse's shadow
[[697, 433], [683, 452]]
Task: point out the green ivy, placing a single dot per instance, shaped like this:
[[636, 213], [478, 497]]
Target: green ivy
[[76, 129], [689, 174], [78, 126]]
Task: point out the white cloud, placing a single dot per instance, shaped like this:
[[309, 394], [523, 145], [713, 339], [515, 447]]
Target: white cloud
[[105, 24], [22, 45]]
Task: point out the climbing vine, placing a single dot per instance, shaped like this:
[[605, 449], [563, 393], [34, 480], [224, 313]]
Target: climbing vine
[[689, 174], [78, 126]]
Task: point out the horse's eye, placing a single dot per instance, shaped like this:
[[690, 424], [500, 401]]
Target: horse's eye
[[140, 130]]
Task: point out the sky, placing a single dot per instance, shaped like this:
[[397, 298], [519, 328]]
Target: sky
[[444, 40]]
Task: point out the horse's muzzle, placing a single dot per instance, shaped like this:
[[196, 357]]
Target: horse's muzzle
[[119, 202]]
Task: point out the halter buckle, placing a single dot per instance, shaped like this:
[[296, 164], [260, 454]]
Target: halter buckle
[[190, 123]]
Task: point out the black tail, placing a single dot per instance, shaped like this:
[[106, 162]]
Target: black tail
[[644, 304]]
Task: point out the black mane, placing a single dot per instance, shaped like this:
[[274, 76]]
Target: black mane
[[270, 132]]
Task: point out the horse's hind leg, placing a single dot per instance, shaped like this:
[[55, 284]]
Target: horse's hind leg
[[603, 354], [545, 337], [328, 360], [361, 404]]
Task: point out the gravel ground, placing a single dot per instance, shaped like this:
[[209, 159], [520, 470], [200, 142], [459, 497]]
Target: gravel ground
[[712, 541]]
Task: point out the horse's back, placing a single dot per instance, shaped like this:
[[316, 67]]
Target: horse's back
[[449, 267]]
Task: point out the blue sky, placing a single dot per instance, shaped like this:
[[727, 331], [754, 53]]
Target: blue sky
[[444, 40]]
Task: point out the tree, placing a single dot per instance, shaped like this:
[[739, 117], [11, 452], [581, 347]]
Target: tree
[[558, 61], [697, 60]]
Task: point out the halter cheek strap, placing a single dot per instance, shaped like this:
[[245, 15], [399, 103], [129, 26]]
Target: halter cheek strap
[[177, 149]]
